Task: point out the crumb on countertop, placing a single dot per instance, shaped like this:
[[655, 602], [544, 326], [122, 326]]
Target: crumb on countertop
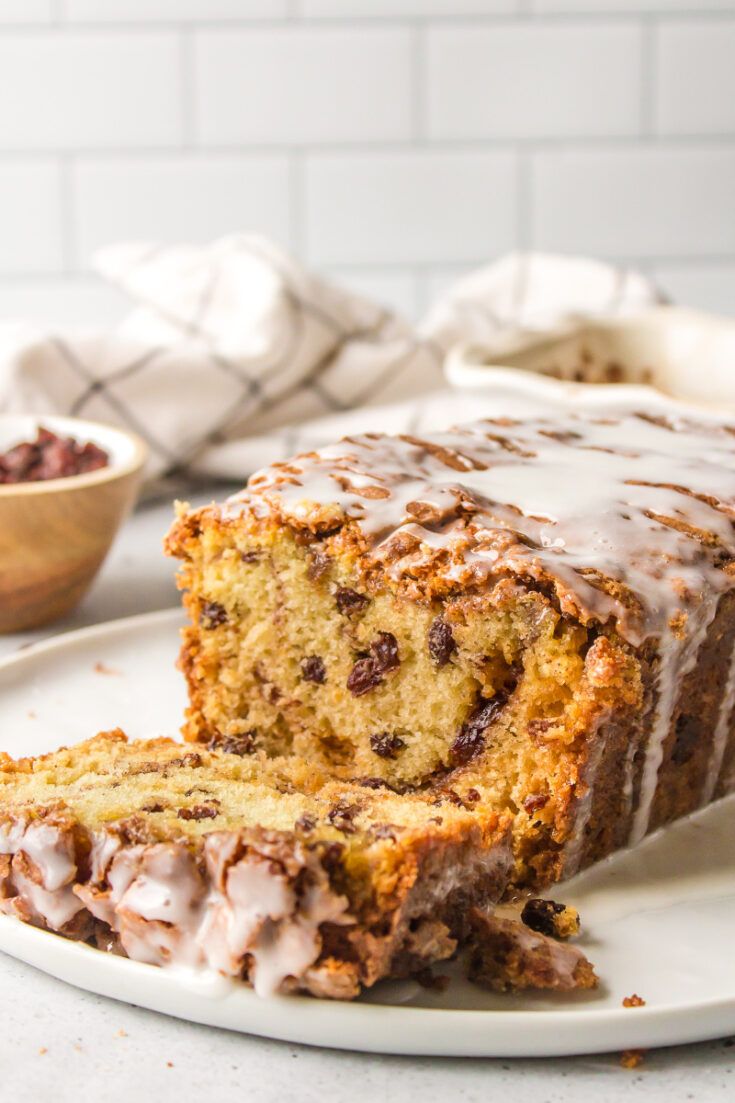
[[634, 1001], [631, 1058]]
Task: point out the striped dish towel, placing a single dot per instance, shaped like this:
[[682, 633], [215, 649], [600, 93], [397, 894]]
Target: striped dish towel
[[234, 356]]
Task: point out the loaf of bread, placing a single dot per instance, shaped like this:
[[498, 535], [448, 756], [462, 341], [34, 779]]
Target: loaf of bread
[[536, 617]]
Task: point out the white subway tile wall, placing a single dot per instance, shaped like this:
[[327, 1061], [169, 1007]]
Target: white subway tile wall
[[392, 144], [177, 197]]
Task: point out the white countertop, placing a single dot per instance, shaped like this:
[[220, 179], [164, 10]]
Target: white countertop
[[62, 1044]]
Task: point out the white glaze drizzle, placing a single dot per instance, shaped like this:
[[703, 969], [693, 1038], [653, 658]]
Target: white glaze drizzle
[[573, 499], [166, 914], [50, 849], [677, 658], [574, 844], [721, 734]]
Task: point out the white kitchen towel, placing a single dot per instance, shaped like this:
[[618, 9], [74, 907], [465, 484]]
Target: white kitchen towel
[[235, 356]]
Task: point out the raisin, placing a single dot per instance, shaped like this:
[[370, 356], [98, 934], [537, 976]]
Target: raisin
[[384, 650], [250, 556], [349, 601], [471, 796], [342, 816], [367, 673], [441, 642], [372, 782], [153, 806], [471, 739], [313, 670], [385, 831], [234, 744], [386, 745], [331, 857], [213, 614], [318, 565], [305, 823], [549, 918], [363, 677], [198, 812]]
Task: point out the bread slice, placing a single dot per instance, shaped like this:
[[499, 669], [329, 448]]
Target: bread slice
[[220, 861], [537, 615]]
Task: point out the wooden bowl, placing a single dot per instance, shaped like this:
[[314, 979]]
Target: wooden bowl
[[54, 535]]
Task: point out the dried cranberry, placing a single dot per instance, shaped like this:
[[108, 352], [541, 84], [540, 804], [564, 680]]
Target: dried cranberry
[[313, 670], [386, 745], [441, 642], [471, 738], [213, 614], [350, 601], [49, 457]]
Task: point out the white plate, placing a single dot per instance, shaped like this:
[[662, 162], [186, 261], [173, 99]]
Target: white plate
[[658, 921]]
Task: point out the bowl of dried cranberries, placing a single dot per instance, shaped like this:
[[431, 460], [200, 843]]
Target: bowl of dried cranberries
[[66, 485]]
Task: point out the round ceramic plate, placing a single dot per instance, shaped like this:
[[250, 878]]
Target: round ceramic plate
[[657, 921]]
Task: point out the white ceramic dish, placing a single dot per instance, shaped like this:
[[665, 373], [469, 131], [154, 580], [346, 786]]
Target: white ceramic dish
[[658, 921], [685, 354]]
